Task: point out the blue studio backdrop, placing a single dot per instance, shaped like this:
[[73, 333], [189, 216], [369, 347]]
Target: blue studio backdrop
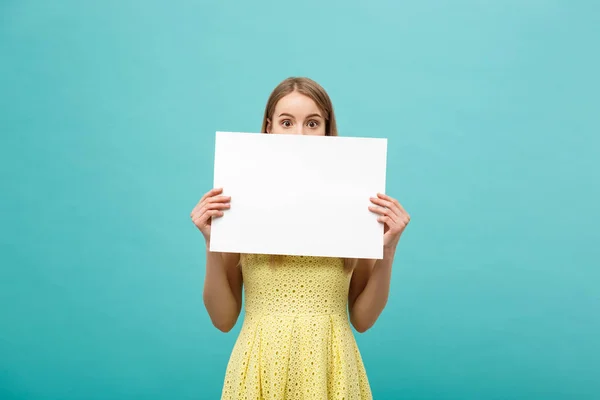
[[107, 118]]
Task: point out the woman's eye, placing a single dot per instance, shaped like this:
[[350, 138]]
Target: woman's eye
[[313, 124], [286, 123]]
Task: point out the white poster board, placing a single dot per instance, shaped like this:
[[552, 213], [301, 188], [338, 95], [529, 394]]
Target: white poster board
[[299, 195]]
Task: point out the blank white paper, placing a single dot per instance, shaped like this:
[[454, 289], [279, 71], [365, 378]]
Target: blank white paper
[[299, 195]]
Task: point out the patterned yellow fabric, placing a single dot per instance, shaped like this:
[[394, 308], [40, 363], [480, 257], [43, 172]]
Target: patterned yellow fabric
[[296, 341]]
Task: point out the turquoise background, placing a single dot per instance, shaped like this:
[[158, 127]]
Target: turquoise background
[[107, 117]]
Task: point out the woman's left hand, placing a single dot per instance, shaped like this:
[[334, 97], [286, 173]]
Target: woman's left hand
[[393, 216]]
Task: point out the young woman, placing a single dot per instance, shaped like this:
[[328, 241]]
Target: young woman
[[296, 341]]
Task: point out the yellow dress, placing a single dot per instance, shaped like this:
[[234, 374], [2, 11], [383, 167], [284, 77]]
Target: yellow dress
[[296, 341]]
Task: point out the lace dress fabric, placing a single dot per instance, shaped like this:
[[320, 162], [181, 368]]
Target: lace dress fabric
[[296, 341]]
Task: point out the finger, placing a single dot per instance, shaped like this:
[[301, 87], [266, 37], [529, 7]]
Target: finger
[[214, 214], [217, 199], [211, 193], [200, 203], [211, 200], [392, 200], [383, 212], [387, 204], [385, 220], [204, 217], [381, 202], [210, 207], [216, 206]]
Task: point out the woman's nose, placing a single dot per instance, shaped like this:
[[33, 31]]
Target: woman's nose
[[299, 130]]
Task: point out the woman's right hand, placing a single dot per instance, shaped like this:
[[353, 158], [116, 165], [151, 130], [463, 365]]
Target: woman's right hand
[[210, 205]]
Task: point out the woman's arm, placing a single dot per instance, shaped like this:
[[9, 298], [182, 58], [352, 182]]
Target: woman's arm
[[223, 281], [370, 283], [369, 290], [223, 289]]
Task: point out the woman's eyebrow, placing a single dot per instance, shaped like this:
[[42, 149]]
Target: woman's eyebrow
[[308, 116], [286, 115]]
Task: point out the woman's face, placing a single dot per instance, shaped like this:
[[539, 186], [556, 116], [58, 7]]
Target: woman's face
[[297, 114]]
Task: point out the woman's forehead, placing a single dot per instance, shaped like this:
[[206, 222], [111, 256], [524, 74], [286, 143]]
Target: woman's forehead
[[296, 103]]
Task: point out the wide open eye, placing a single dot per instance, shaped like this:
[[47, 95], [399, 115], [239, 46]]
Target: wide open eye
[[313, 123], [286, 123]]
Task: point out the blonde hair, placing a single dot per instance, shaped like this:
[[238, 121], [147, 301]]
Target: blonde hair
[[313, 90]]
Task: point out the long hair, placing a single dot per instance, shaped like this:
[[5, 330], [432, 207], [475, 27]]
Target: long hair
[[313, 90]]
